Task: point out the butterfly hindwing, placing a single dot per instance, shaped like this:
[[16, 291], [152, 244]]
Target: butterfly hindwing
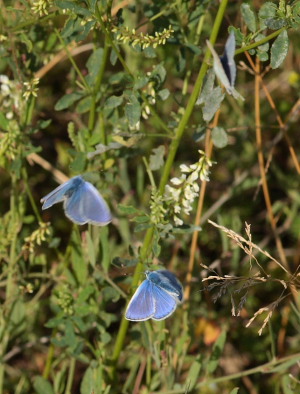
[[168, 282], [165, 304]]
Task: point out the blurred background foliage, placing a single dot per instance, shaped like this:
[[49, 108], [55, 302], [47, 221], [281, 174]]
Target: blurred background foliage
[[110, 90]]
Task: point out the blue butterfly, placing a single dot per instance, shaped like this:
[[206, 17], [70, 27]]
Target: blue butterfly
[[82, 202], [224, 66], [156, 298]]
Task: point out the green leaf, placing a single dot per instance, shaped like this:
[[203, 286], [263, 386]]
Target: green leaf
[[164, 94], [159, 74], [128, 209], [92, 381], [113, 57], [212, 103], [216, 353], [234, 391], [67, 100], [84, 105], [79, 162], [85, 294], [276, 23], [3, 122], [121, 262], [194, 373], [219, 137], [266, 11], [141, 219], [133, 110], [110, 294], [208, 86], [287, 385], [70, 5], [157, 158], [42, 386], [279, 49], [113, 102], [264, 47], [249, 17], [142, 227], [94, 63]]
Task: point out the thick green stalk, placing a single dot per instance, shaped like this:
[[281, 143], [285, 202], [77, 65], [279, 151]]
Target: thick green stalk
[[166, 172], [260, 42]]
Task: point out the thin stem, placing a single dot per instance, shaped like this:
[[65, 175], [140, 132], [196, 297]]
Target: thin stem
[[72, 61], [149, 172], [166, 172], [10, 286], [208, 151], [99, 79], [260, 42], [262, 166], [70, 376], [278, 117], [30, 196], [50, 355]]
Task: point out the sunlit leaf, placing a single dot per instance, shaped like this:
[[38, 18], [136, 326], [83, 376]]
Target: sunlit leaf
[[279, 49]]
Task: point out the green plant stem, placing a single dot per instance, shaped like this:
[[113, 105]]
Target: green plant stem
[[72, 61], [70, 376], [166, 172], [264, 369], [30, 196], [260, 42], [29, 110], [92, 115], [10, 281]]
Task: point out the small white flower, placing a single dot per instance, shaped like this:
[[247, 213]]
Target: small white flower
[[177, 181], [184, 168], [178, 221]]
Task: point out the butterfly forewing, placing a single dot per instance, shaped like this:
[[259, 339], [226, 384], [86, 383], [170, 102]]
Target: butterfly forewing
[[141, 307], [61, 192]]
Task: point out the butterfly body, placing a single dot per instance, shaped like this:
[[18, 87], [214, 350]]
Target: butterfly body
[[82, 202], [156, 298]]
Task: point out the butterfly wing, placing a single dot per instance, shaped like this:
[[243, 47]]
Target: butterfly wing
[[228, 59], [165, 304], [141, 306], [93, 206], [60, 193], [221, 73], [168, 282], [219, 69], [73, 207]]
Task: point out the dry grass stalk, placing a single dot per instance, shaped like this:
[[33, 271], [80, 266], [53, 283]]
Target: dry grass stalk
[[241, 241]]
